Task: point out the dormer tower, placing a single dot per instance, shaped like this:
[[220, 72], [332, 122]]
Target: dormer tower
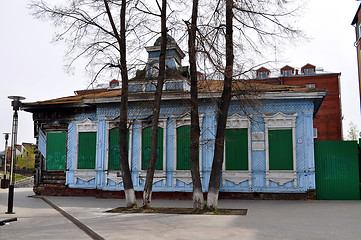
[[174, 56]]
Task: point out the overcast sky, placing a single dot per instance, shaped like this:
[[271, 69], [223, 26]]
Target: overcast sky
[[33, 67]]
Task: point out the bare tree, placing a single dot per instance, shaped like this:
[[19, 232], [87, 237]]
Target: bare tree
[[103, 43], [215, 180], [123, 117], [147, 194], [198, 200], [352, 132], [233, 35]]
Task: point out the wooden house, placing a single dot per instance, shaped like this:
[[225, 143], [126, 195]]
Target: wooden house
[[269, 151]]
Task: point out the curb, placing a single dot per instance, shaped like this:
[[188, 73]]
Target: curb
[[75, 221]]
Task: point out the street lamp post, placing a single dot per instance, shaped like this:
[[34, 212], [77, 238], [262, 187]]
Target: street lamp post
[[4, 184], [16, 106]]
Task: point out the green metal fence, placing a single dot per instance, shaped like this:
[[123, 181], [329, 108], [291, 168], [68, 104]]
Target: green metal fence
[[337, 170]]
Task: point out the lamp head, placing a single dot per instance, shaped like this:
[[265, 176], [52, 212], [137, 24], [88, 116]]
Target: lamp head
[[6, 136], [16, 103]]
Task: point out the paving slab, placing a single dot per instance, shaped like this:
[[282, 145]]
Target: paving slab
[[36, 219], [264, 220]]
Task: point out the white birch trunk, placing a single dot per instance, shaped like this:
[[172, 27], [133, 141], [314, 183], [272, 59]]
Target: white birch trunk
[[212, 199], [198, 200], [130, 199]]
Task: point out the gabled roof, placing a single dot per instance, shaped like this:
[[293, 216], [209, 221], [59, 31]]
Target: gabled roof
[[287, 67], [308, 65], [263, 69], [28, 145]]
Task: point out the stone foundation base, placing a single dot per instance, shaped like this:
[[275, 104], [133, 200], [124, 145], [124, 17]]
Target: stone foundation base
[[61, 190]]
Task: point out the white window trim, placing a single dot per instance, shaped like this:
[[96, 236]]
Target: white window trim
[[262, 75], [159, 175], [281, 121], [315, 133], [84, 126], [116, 175], [185, 175], [238, 176], [287, 72]]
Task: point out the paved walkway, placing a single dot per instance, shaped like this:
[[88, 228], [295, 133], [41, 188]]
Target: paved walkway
[[265, 220]]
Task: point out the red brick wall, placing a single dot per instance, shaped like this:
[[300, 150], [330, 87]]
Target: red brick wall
[[328, 120]]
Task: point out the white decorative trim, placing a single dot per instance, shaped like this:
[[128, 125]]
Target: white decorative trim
[[86, 126], [237, 176], [258, 136], [184, 176], [85, 175], [162, 123], [258, 146], [281, 121], [115, 176], [281, 177], [159, 175], [184, 120], [236, 121]]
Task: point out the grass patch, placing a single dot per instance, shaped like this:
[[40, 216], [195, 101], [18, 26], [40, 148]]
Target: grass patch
[[17, 176], [170, 210]]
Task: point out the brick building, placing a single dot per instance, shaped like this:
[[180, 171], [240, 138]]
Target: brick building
[[356, 22], [328, 121]]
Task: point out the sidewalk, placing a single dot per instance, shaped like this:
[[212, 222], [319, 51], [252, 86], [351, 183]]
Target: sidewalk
[[264, 220]]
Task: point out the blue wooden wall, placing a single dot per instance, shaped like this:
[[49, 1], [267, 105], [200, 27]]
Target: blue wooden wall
[[171, 110]]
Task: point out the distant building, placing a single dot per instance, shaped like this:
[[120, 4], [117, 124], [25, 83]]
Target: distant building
[[328, 120], [26, 159], [24, 156], [356, 22]]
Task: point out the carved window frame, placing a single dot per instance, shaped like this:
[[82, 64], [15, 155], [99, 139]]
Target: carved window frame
[[238, 176], [185, 175], [159, 175], [116, 175], [86, 175], [275, 122]]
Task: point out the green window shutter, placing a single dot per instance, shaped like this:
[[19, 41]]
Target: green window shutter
[[56, 151], [183, 147], [87, 150], [237, 149], [114, 151], [146, 133], [280, 149]]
